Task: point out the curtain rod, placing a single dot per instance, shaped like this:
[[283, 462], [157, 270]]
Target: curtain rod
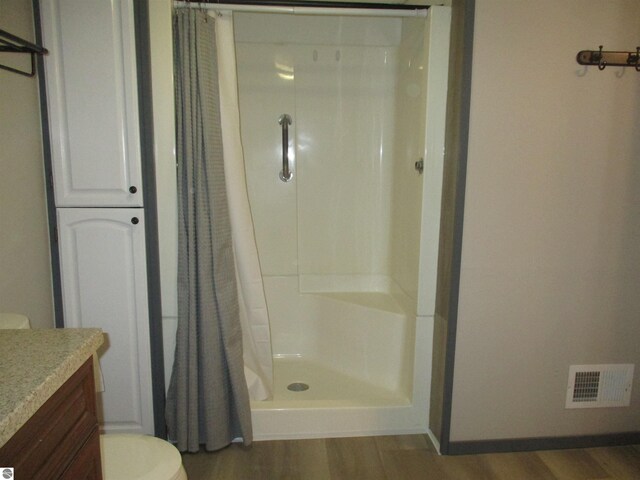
[[311, 7]]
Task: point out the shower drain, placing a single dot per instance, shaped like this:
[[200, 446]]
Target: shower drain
[[297, 387]]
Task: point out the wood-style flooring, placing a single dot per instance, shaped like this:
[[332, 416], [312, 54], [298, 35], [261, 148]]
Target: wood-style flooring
[[404, 457]]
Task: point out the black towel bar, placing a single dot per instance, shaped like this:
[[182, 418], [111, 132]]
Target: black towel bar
[[12, 44]]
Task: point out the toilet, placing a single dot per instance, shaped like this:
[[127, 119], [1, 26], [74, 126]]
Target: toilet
[[13, 320], [126, 456], [139, 457]]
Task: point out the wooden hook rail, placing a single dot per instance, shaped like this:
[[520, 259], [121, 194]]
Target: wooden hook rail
[[605, 59]]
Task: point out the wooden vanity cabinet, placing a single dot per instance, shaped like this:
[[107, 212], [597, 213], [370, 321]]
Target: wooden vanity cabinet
[[61, 440]]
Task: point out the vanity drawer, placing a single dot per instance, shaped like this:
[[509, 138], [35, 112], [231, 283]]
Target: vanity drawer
[[86, 465], [47, 444]]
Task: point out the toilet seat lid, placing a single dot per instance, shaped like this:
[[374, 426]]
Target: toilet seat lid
[[13, 320], [138, 457]]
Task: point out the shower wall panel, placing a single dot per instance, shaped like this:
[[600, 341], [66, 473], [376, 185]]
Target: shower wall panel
[[409, 147], [344, 104], [336, 77], [316, 30], [266, 91]]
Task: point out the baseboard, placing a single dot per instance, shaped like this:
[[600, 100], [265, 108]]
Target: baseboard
[[434, 441], [540, 443]]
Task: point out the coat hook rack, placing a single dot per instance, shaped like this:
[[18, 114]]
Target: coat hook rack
[[604, 59], [13, 44]]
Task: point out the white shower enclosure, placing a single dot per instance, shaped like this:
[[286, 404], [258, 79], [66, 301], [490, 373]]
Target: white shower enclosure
[[348, 246]]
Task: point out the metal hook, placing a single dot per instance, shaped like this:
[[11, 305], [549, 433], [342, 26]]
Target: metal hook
[[601, 64]]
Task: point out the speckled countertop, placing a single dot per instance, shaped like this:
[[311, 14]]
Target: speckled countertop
[[33, 365]]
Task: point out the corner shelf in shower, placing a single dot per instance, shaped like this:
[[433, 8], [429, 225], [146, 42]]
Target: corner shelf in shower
[[376, 300]]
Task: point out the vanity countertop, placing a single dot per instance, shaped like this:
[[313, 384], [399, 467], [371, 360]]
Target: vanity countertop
[[33, 365]]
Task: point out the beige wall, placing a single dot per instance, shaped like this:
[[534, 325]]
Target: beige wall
[[551, 247], [25, 273]]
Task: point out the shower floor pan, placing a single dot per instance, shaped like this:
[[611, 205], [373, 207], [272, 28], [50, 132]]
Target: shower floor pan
[[327, 387], [334, 405]]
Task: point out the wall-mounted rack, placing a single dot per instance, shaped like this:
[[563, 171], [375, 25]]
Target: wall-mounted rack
[[13, 44], [609, 59]]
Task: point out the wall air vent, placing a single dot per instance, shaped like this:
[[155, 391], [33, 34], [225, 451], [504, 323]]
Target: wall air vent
[[592, 386]]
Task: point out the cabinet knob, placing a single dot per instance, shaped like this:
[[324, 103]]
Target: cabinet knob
[[135, 220], [132, 189]]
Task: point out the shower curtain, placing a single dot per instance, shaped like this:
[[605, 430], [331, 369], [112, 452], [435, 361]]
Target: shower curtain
[[208, 398], [253, 305]]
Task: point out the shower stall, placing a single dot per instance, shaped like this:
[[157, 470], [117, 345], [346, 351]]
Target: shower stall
[[342, 125]]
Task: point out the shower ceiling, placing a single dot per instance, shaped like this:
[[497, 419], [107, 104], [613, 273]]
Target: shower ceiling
[[398, 2], [410, 2], [290, 6], [382, 2]]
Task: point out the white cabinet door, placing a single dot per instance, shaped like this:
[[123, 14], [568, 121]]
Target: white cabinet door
[[104, 284], [92, 101]]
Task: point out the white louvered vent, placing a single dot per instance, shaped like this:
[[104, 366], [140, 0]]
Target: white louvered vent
[[592, 386]]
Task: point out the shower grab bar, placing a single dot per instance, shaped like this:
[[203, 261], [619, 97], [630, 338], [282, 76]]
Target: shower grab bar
[[285, 174]]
